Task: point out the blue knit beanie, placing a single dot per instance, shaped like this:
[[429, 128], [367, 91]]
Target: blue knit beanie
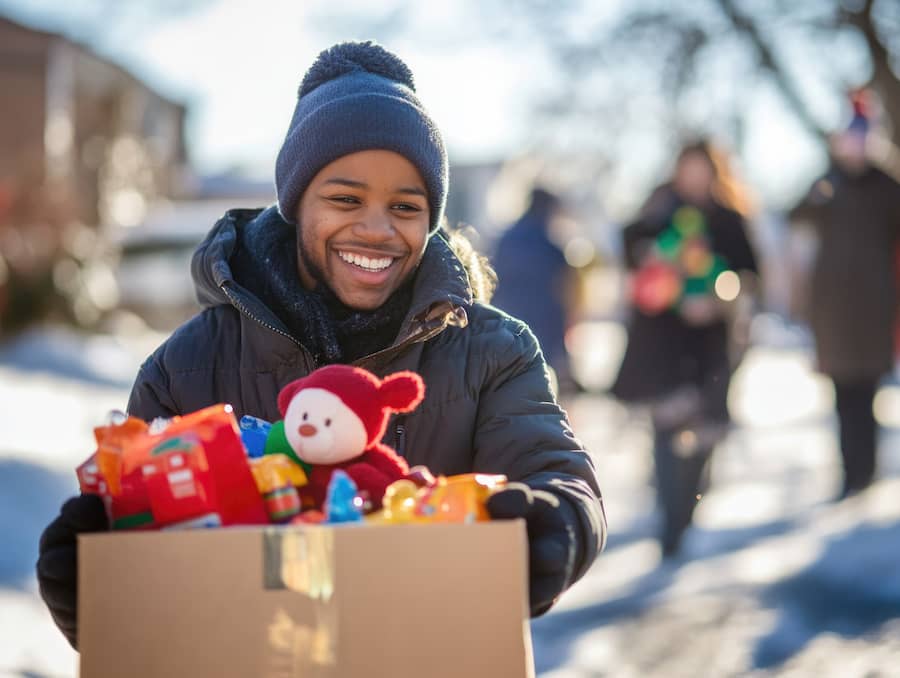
[[357, 96]]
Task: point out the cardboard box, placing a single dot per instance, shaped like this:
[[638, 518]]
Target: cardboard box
[[284, 602]]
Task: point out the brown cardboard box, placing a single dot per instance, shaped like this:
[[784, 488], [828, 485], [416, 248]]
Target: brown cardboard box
[[352, 600]]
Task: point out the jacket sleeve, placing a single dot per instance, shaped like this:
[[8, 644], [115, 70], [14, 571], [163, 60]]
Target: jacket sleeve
[[522, 432], [150, 395]]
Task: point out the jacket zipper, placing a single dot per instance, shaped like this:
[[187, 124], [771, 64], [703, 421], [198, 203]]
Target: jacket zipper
[[239, 305], [400, 432]]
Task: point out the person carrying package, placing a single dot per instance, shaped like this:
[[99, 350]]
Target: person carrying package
[[352, 266]]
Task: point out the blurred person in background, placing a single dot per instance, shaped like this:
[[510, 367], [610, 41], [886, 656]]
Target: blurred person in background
[[691, 267], [536, 284], [855, 212]]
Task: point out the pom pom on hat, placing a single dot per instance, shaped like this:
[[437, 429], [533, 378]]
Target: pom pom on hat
[[348, 57]]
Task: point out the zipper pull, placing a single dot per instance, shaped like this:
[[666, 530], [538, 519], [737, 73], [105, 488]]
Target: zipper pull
[[400, 434]]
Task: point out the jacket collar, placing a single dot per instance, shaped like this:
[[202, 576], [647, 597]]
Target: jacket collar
[[441, 291]]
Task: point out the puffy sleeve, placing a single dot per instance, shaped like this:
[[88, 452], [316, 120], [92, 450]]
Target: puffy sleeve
[[150, 394], [522, 432]]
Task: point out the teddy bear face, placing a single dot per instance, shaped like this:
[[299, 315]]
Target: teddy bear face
[[322, 429]]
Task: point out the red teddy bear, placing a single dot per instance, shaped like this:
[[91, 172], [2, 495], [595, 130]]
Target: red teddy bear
[[335, 418]]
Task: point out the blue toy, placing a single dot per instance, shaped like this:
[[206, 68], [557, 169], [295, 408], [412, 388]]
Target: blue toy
[[342, 504], [254, 433]]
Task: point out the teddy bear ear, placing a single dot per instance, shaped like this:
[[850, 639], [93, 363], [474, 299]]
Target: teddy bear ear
[[286, 395], [401, 391]]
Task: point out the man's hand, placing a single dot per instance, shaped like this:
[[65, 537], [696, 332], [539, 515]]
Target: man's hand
[[552, 542], [57, 565]]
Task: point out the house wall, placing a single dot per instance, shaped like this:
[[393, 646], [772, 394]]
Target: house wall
[[23, 63]]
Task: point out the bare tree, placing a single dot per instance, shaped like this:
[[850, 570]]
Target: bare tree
[[669, 49]]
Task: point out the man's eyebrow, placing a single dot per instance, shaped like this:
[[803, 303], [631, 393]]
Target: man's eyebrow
[[352, 183], [413, 190]]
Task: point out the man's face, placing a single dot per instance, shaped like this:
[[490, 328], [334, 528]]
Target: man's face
[[363, 226]]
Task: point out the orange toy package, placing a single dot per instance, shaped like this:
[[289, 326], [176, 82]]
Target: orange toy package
[[192, 472]]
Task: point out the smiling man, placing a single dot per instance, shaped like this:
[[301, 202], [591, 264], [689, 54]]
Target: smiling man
[[351, 266], [365, 227]]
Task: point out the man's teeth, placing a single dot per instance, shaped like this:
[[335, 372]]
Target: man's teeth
[[365, 262]]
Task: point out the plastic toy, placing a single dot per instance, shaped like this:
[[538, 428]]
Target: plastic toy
[[254, 432], [342, 504], [453, 499], [277, 479]]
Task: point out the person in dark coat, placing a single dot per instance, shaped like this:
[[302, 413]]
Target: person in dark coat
[[855, 211], [689, 255], [352, 266], [535, 282]]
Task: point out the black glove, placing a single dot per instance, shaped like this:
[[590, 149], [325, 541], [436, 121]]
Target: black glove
[[57, 565], [552, 544]]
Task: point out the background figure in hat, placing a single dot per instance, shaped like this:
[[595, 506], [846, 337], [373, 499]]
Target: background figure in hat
[[535, 282], [854, 210], [352, 267]]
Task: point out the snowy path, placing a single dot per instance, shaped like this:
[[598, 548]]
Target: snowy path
[[775, 579]]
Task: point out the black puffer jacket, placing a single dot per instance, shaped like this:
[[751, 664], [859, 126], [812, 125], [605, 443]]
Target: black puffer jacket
[[488, 405]]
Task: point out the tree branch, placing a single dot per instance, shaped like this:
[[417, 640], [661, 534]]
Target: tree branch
[[745, 26]]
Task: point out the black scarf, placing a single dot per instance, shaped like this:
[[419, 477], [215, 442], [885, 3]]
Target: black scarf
[[265, 262]]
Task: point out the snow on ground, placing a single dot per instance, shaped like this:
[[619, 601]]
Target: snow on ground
[[55, 386], [775, 579]]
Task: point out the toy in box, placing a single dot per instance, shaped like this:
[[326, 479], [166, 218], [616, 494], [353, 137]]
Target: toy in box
[[324, 462], [192, 471]]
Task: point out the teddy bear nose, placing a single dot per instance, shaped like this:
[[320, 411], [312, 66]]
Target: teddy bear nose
[[307, 430]]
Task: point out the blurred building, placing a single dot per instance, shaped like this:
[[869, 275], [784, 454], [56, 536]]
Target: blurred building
[[85, 146], [87, 125]]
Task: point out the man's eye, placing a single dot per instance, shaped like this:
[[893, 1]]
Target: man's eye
[[407, 207], [345, 199]]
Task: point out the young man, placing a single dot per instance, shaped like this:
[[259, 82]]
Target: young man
[[352, 267]]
